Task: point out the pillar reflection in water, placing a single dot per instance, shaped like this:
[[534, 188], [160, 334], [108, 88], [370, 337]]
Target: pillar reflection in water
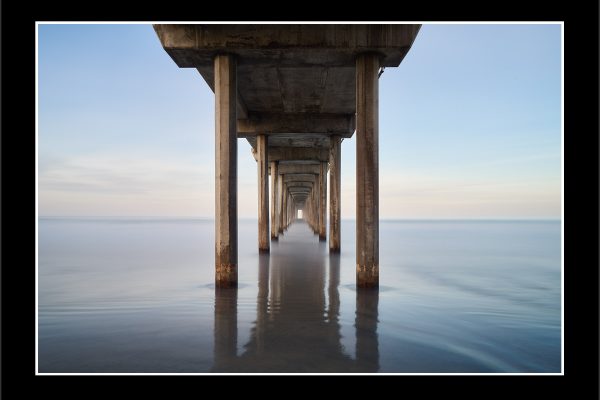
[[367, 341], [225, 334], [295, 331], [333, 312], [262, 301]]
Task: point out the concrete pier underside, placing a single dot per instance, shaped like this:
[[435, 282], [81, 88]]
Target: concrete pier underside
[[295, 92]]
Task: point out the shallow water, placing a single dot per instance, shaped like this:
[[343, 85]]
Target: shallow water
[[137, 295]]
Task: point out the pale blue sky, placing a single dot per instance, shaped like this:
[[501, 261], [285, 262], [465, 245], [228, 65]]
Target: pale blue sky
[[470, 127]]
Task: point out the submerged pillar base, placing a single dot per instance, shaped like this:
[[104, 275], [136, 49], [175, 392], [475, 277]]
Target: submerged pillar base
[[367, 276], [226, 276]]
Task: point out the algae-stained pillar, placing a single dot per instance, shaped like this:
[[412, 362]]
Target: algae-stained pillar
[[263, 193], [335, 159], [226, 256], [274, 197], [367, 170], [323, 201]]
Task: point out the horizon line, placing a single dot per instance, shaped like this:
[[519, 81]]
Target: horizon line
[[351, 219]]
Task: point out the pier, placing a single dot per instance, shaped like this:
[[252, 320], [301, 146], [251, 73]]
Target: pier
[[294, 92]]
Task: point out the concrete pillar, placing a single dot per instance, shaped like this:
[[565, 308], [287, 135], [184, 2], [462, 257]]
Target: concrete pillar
[[263, 192], [274, 198], [291, 210], [323, 201], [316, 208], [280, 203], [335, 186], [289, 213], [367, 170], [226, 233], [307, 210], [310, 210], [316, 198], [284, 208]]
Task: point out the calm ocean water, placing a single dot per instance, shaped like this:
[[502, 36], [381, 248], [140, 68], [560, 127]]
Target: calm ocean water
[[137, 295]]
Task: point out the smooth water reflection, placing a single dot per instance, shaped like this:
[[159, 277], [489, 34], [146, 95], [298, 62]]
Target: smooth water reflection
[[297, 326], [137, 295]]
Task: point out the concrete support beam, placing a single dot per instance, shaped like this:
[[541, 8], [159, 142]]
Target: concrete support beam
[[300, 177], [263, 193], [299, 184], [298, 153], [335, 192], [290, 168], [274, 199], [323, 202], [280, 45], [299, 192], [367, 170], [274, 123], [226, 256]]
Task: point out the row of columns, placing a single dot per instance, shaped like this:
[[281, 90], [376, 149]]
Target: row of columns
[[283, 206]]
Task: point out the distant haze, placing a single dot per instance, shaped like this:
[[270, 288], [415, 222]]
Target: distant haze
[[470, 127]]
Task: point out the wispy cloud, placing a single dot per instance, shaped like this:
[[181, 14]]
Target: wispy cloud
[[107, 184]]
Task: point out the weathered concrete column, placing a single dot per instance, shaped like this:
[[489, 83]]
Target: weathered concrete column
[[315, 208], [263, 192], [335, 191], [274, 199], [291, 212], [323, 201], [367, 170], [306, 211], [280, 202], [290, 207], [226, 233], [284, 208], [314, 211], [309, 208], [316, 202]]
